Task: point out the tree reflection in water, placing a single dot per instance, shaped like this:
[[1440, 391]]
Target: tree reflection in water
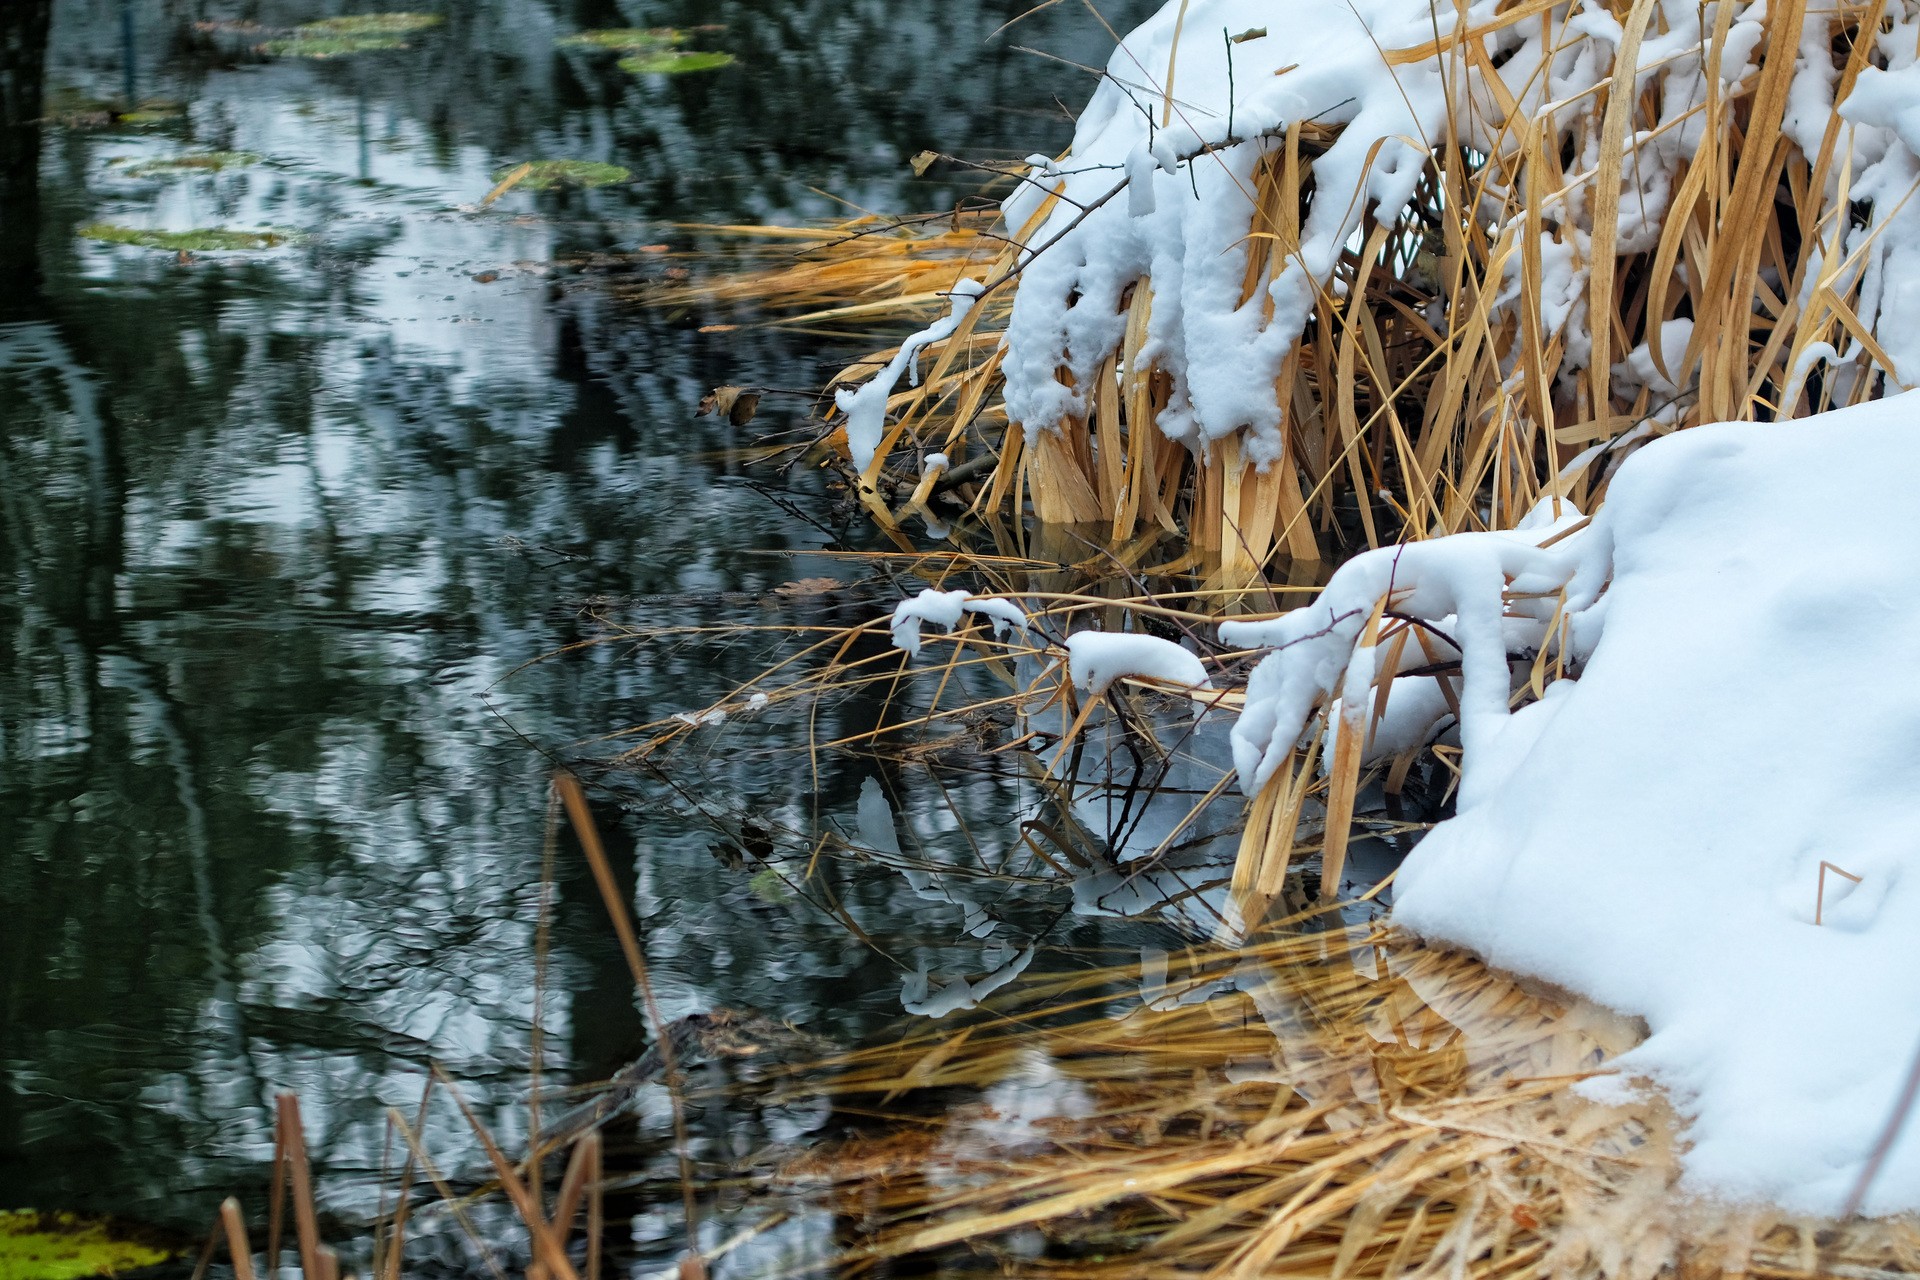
[[279, 531]]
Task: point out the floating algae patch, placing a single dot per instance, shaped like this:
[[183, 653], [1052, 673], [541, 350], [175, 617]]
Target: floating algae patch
[[542, 175], [625, 39], [193, 162], [196, 240], [65, 1246], [355, 33], [670, 62]]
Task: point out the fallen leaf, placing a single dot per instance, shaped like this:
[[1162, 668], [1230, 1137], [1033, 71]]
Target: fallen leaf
[[923, 162], [737, 403]]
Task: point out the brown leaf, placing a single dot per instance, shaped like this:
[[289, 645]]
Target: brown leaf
[[737, 403], [923, 161]]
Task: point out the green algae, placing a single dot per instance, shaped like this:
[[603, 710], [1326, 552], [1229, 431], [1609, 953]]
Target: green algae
[[65, 1246], [670, 62], [197, 240]]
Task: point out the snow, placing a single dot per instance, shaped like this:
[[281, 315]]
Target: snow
[[944, 609], [866, 405], [1650, 834], [1157, 185], [1097, 658]]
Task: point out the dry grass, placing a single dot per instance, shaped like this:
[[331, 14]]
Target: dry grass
[[1358, 1105], [1402, 425]]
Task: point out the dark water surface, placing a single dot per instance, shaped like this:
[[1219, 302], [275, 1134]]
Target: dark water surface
[[278, 530]]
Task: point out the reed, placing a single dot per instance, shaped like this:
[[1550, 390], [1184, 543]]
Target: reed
[[1435, 386]]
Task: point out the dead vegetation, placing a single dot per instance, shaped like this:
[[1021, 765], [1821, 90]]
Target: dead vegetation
[[1427, 394]]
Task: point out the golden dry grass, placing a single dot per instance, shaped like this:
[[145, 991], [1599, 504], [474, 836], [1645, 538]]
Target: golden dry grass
[[1361, 1105], [1401, 425]]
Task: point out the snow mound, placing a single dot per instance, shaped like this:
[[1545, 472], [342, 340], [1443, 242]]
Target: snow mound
[[1651, 833]]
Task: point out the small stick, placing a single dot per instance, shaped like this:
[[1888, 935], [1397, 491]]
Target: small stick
[[1820, 902], [1895, 1123]]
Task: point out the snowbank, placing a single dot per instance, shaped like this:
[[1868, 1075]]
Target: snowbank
[[1650, 834]]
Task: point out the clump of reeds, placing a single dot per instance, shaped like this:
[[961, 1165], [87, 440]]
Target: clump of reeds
[[1320, 1103], [1433, 388]]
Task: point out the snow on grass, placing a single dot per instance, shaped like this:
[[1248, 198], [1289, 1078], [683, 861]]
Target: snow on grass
[[1097, 658], [944, 609], [866, 406], [1161, 181], [1650, 834]]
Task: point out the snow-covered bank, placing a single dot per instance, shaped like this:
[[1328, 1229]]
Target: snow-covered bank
[[1651, 833]]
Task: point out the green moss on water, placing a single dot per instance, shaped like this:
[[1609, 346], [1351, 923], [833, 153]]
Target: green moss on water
[[193, 162], [65, 1246], [355, 33], [545, 174], [625, 39], [671, 63], [198, 240]]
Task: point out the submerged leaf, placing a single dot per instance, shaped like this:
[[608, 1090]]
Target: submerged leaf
[[371, 24], [65, 1246], [354, 33], [193, 162], [198, 239], [674, 63], [625, 39], [542, 175]]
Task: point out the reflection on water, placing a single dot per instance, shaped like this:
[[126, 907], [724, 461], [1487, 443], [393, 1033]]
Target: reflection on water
[[280, 529]]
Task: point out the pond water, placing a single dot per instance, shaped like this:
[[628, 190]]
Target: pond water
[[280, 531]]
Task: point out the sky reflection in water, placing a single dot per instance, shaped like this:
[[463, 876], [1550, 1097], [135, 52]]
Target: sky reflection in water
[[278, 528]]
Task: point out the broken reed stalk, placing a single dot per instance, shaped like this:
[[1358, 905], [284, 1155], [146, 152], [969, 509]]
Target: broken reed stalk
[[1432, 389]]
